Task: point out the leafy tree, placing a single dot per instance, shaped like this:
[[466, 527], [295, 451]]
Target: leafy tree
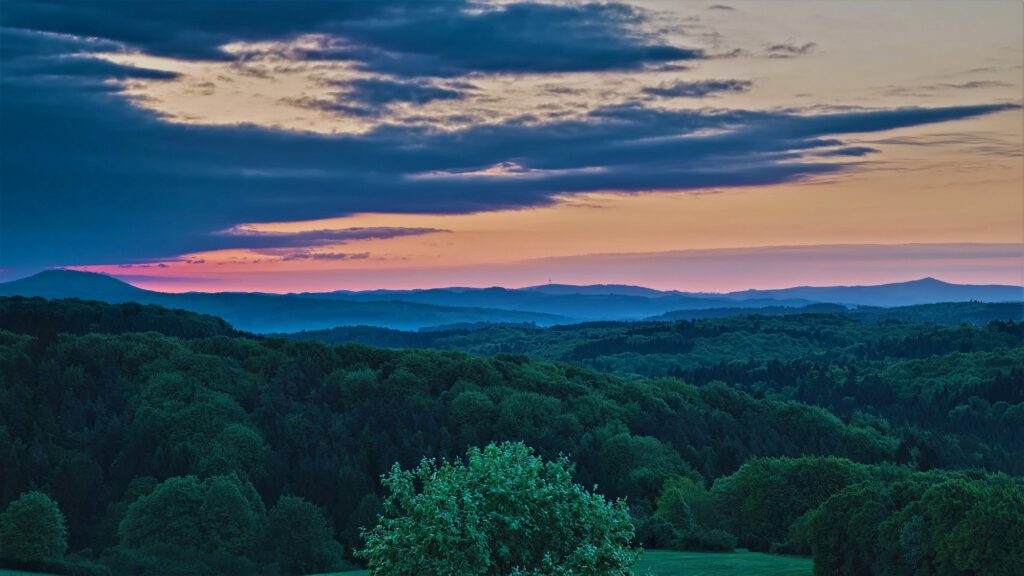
[[301, 537], [503, 511], [237, 448], [767, 495], [33, 529], [685, 503], [977, 527], [844, 530], [219, 513]]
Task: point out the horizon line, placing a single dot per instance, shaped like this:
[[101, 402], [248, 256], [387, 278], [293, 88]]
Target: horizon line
[[523, 287]]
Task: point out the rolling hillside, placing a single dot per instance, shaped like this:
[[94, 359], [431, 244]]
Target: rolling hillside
[[256, 312]]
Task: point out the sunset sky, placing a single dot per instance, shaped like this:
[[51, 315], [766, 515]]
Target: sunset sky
[[308, 146]]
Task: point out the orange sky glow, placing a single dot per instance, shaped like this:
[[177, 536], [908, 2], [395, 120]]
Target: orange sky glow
[[950, 183]]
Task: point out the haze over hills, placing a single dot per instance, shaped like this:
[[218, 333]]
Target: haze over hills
[[587, 304], [923, 291], [544, 305], [257, 312]]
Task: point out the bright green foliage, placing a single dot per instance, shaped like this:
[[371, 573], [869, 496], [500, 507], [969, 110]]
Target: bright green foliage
[[502, 512], [33, 529], [301, 537]]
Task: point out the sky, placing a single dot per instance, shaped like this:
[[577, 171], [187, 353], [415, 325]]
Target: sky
[[289, 146]]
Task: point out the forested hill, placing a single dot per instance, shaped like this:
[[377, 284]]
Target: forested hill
[[46, 318], [964, 380], [949, 313], [200, 454], [540, 305]]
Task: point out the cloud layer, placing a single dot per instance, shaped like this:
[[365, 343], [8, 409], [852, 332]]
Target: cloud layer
[[95, 179], [406, 37]]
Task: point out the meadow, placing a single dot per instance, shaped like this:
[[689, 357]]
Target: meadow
[[669, 563]]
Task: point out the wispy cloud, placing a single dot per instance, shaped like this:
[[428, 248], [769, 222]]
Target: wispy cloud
[[789, 49], [247, 237], [334, 256], [696, 89]]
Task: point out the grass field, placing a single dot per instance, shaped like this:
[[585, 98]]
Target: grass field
[[665, 563]]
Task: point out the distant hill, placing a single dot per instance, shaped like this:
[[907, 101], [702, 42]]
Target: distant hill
[[979, 313], [623, 302], [560, 342], [923, 291], [596, 289], [266, 312], [544, 305], [824, 308], [73, 284], [588, 304]]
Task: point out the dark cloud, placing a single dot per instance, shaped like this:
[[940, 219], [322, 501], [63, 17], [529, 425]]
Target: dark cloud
[[310, 255], [40, 56], [721, 7], [789, 49], [930, 89], [857, 151], [373, 97], [696, 89], [94, 179], [411, 38], [978, 84], [382, 92], [248, 238]]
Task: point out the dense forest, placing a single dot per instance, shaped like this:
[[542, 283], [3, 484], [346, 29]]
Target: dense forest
[[954, 387], [172, 444]]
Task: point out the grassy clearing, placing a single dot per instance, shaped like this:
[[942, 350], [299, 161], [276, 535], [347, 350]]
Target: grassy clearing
[[665, 563]]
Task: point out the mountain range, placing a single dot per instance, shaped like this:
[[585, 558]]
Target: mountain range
[[543, 305]]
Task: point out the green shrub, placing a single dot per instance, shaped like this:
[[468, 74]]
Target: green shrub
[[502, 512]]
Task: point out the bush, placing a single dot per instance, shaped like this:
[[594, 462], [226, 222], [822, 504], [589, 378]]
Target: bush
[[503, 511]]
